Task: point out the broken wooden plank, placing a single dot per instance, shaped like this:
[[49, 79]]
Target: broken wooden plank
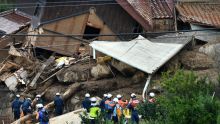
[[45, 64]]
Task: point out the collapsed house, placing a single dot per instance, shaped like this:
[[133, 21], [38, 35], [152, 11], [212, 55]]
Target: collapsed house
[[12, 22], [118, 20]]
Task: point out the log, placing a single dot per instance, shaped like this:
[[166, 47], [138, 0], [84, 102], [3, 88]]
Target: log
[[68, 93]]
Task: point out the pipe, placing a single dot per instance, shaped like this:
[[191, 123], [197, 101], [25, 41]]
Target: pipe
[[146, 85], [94, 53]]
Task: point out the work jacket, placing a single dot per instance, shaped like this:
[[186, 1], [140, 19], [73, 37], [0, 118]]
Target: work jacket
[[94, 112]]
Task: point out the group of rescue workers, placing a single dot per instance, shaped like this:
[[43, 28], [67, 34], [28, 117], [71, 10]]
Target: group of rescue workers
[[114, 109], [25, 106]]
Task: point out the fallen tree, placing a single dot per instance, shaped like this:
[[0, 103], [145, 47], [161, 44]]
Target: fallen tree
[[69, 92]]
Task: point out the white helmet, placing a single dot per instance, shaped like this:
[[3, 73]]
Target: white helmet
[[119, 96], [29, 99], [87, 95], [105, 95], [93, 99], [109, 95], [39, 106], [152, 94], [133, 95], [57, 94], [38, 96], [115, 99], [18, 95]]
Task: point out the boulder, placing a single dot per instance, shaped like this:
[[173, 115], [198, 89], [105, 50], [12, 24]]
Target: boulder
[[125, 69], [50, 93], [196, 60], [75, 73], [101, 71], [213, 51]]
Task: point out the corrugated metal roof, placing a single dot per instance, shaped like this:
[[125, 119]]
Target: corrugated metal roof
[[202, 13], [160, 9], [12, 21], [139, 10], [141, 53]]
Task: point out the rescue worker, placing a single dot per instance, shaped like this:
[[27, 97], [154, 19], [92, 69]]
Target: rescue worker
[[117, 112], [37, 100], [16, 104], [133, 107], [102, 103], [42, 114], [26, 106], [151, 97], [94, 111], [86, 103], [59, 104], [122, 103], [109, 106]]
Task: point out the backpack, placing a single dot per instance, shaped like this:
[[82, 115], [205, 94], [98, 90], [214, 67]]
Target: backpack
[[119, 111], [45, 117]]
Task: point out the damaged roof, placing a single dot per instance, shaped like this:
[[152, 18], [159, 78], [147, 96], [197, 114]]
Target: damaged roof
[[141, 53], [200, 13], [144, 11], [161, 9], [139, 10], [12, 21]]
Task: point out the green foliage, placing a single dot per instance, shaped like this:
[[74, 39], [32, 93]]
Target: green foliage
[[6, 5], [188, 100]]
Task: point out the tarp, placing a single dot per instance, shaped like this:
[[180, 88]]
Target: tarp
[[141, 53]]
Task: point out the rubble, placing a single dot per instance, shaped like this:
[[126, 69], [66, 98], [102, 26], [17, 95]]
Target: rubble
[[101, 71], [123, 68]]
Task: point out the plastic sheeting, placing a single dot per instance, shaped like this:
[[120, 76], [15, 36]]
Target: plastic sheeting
[[141, 53]]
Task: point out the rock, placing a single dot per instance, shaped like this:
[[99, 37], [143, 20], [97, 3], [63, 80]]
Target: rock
[[125, 69], [138, 77], [101, 71], [76, 73], [213, 51], [196, 60], [50, 93], [211, 74]]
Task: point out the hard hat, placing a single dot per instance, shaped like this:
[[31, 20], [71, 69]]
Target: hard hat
[[115, 99], [38, 96], [18, 95], [29, 99], [152, 94], [39, 106], [87, 95], [105, 95], [93, 99], [119, 96], [109, 95], [133, 95], [57, 94]]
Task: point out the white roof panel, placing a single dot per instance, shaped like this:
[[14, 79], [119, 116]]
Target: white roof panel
[[140, 53]]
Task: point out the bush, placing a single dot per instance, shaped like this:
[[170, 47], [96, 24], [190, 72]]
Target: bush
[[188, 100]]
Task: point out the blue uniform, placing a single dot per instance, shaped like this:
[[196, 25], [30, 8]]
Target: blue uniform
[[16, 104], [86, 103], [26, 107], [134, 112], [58, 102], [102, 104], [41, 117]]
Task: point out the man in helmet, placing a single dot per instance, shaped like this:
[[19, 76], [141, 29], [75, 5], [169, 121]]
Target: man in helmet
[[16, 104], [133, 107], [37, 100], [59, 104], [26, 106], [42, 114], [109, 106], [122, 103], [117, 112], [151, 97], [94, 110], [86, 103], [102, 103]]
